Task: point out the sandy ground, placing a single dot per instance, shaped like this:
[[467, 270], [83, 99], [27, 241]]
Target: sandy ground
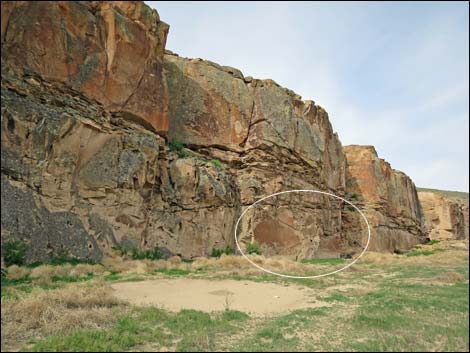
[[257, 299]]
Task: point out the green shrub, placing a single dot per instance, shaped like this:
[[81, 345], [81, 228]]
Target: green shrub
[[151, 254], [432, 242], [14, 252], [217, 164], [218, 252], [253, 248], [123, 250], [398, 252], [63, 257], [178, 147]]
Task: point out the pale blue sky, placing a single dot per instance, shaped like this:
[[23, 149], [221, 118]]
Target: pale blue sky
[[392, 75]]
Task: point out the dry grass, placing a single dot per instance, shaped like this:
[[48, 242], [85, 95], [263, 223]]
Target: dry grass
[[57, 311], [174, 260], [376, 258], [450, 277], [15, 272], [238, 265], [42, 275]]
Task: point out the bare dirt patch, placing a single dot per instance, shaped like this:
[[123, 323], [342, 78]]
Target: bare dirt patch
[[257, 299]]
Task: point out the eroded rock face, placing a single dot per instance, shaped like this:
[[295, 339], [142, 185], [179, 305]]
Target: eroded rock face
[[445, 218], [90, 100], [111, 51], [272, 141], [78, 178], [389, 199]]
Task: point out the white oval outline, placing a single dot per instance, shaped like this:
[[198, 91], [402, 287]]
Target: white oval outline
[[302, 190]]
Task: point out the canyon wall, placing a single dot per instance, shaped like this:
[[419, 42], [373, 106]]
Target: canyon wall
[[109, 51], [445, 218], [110, 141], [387, 196]]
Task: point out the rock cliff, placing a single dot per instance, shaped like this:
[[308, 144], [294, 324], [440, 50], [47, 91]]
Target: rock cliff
[[109, 140], [109, 51], [388, 197], [445, 218]]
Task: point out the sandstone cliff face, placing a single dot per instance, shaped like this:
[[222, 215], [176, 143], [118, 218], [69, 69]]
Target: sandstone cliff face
[[77, 177], [110, 51], [272, 141], [90, 102], [445, 218], [389, 199]]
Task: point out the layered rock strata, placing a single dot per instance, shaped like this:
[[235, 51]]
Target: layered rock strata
[[110, 141], [388, 197], [445, 218]]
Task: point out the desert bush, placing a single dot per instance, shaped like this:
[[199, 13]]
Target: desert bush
[[174, 260], [432, 242], [378, 258], [15, 272], [65, 270], [253, 248], [218, 252], [85, 269], [151, 254], [178, 147], [231, 261], [451, 277], [217, 164], [63, 257], [14, 252], [42, 275]]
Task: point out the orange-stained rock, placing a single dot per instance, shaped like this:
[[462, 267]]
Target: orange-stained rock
[[85, 85], [389, 199], [112, 51], [445, 218]]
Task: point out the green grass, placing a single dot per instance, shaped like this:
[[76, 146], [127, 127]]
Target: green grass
[[432, 242], [337, 297], [413, 316], [423, 252], [151, 254], [191, 330], [173, 272], [113, 276], [399, 307], [217, 164], [218, 252], [331, 261], [71, 279], [278, 334], [253, 248]]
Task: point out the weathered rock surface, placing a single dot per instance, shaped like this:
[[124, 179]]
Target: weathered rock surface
[[111, 51], [388, 197], [445, 218], [76, 177], [91, 100], [272, 141]]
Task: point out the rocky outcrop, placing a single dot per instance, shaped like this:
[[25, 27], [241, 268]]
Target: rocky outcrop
[[388, 197], [109, 140], [111, 51], [77, 177], [445, 218], [272, 141]]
